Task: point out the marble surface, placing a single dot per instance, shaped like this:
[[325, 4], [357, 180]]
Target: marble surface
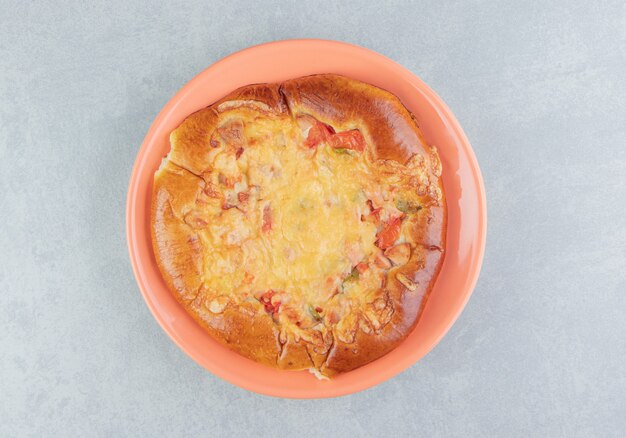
[[538, 87]]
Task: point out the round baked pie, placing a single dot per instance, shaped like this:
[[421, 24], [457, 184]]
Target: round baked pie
[[302, 224]]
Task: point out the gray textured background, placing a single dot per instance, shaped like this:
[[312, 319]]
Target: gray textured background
[[539, 89]]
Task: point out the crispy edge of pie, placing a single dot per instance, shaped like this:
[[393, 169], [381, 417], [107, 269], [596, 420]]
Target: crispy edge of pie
[[345, 104]]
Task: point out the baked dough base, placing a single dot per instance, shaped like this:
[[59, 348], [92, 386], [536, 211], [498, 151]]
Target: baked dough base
[[301, 224]]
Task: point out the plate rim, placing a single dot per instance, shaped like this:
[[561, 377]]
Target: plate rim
[[452, 124]]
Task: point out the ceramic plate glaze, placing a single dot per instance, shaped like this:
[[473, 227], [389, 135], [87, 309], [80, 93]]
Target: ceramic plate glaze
[[463, 185]]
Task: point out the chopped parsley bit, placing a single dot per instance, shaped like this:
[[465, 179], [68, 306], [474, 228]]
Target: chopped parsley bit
[[314, 313], [342, 151], [408, 207], [354, 275]]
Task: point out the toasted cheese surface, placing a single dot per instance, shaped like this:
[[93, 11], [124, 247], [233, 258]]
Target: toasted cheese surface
[[311, 202], [297, 221]]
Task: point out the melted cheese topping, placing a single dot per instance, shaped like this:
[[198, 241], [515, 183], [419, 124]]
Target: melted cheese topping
[[314, 199], [298, 230]]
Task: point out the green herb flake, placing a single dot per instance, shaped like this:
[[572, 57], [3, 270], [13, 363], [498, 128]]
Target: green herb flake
[[354, 275], [342, 151], [408, 207], [314, 314]]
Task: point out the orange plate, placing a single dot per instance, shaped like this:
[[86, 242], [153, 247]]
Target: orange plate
[[461, 179]]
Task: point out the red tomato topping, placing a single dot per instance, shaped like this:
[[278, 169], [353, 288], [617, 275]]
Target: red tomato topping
[[243, 196], [389, 234], [318, 133], [352, 139], [267, 296], [267, 219], [266, 299], [361, 267]]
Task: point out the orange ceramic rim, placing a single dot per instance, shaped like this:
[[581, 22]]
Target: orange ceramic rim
[[462, 181]]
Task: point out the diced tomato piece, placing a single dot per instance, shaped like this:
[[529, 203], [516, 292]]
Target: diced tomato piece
[[389, 234], [317, 134], [266, 299], [267, 296], [267, 219], [352, 139], [271, 308], [361, 267], [243, 196]]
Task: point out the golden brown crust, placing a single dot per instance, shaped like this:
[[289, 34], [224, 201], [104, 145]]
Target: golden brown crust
[[176, 245], [250, 333], [181, 183], [407, 307], [191, 141], [349, 104], [261, 97]]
